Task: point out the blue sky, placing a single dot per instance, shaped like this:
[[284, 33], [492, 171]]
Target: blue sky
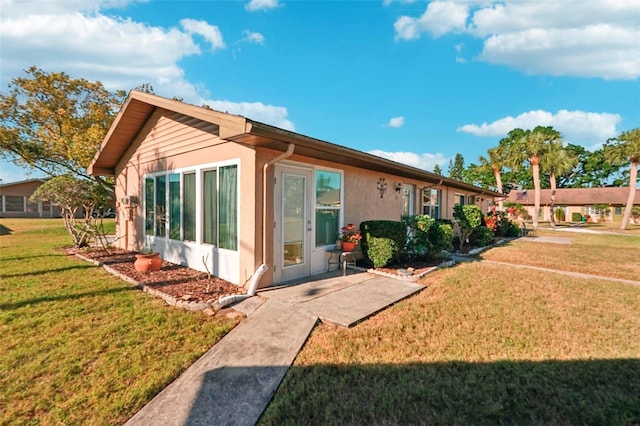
[[413, 81]]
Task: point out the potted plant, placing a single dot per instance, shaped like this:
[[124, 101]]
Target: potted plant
[[147, 260], [349, 237]]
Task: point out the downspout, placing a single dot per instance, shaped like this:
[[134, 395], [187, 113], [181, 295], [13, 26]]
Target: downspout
[[253, 286]]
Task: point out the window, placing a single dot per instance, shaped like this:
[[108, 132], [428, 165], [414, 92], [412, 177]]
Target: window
[[220, 207], [407, 200], [459, 199], [161, 206], [228, 209], [170, 206], [189, 207], [174, 206], [328, 206], [617, 210], [149, 216], [14, 203], [210, 206], [431, 203]]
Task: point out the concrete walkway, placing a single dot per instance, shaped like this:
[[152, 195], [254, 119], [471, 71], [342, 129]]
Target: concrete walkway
[[233, 382]]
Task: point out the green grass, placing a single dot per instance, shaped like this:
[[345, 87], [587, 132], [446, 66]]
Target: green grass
[[599, 254], [483, 344], [78, 345]]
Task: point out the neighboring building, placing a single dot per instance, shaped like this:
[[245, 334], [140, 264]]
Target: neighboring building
[[14, 200], [586, 201], [206, 187]]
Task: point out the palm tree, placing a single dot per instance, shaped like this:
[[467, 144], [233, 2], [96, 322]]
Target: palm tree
[[626, 147], [530, 147], [557, 161], [494, 161]]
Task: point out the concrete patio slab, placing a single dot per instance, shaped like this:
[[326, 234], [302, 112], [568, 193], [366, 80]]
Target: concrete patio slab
[[319, 286], [350, 305]]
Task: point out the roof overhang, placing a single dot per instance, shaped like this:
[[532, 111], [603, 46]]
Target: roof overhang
[[139, 107]]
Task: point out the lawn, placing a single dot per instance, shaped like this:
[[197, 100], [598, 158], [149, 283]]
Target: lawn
[[483, 344], [78, 345], [599, 254]]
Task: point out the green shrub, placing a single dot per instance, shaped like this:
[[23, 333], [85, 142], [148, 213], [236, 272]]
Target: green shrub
[[576, 217], [418, 226], [560, 215], [481, 236], [382, 241], [441, 237], [381, 251], [468, 217], [505, 227]]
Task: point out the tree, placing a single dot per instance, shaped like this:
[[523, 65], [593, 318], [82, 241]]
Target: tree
[[437, 169], [456, 167], [626, 148], [529, 147], [72, 194], [557, 161], [592, 170], [55, 123], [494, 162]]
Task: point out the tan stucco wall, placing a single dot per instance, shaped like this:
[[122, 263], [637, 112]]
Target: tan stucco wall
[[151, 153]]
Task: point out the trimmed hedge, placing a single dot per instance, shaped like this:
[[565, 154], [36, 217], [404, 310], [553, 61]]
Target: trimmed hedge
[[576, 217], [382, 241]]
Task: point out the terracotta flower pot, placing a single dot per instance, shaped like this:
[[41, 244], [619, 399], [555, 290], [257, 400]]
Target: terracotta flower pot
[[348, 246], [146, 262]]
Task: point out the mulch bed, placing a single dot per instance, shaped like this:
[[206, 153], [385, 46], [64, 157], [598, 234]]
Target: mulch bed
[[178, 281], [190, 285]]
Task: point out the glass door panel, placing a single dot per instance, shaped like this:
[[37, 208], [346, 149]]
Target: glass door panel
[[293, 219]]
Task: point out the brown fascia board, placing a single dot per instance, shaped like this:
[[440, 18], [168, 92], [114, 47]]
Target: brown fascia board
[[240, 129], [260, 134], [110, 152]]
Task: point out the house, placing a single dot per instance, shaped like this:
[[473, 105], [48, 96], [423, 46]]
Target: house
[[224, 193], [599, 203], [14, 200]]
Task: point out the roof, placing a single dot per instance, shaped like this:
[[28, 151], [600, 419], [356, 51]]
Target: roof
[[21, 182], [576, 196], [139, 106]]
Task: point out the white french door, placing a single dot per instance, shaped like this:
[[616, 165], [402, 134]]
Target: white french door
[[293, 223]]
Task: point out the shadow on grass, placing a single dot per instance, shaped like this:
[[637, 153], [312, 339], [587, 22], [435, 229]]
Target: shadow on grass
[[46, 271], [4, 230], [503, 392], [57, 298], [35, 256]]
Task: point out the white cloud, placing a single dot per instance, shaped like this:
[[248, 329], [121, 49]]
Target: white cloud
[[211, 33], [439, 18], [254, 5], [63, 36], [396, 122], [425, 161], [251, 37], [269, 114], [571, 37], [585, 128], [388, 2]]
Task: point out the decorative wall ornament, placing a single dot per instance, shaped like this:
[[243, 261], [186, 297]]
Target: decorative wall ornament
[[382, 186]]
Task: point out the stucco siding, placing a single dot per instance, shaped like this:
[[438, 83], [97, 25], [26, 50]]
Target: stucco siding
[[172, 143]]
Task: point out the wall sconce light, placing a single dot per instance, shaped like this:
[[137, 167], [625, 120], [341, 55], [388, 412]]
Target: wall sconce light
[[382, 186], [399, 187]]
